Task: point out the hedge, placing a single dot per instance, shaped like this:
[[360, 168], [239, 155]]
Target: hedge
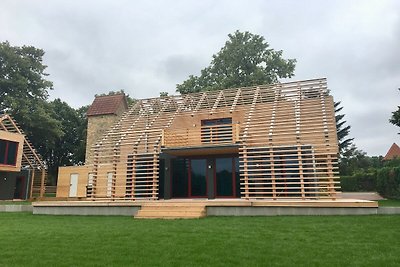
[[360, 182], [388, 182]]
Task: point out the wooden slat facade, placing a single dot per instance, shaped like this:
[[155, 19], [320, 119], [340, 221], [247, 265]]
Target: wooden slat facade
[[284, 136]]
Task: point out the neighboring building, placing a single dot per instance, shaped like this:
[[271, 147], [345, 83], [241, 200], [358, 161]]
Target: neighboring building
[[393, 152], [265, 142], [22, 171], [102, 114]]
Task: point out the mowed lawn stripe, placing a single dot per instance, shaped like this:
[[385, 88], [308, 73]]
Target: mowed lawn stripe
[[38, 240]]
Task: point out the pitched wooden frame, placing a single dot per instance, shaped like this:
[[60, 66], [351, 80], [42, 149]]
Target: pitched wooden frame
[[30, 158]]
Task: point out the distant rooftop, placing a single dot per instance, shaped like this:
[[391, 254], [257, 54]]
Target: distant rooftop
[[107, 104], [394, 151]]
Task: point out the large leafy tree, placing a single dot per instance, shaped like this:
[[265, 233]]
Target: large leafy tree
[[245, 60], [24, 91], [22, 75], [67, 149], [56, 130]]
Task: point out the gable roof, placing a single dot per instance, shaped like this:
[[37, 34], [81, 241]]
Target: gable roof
[[30, 156], [394, 151], [107, 104]]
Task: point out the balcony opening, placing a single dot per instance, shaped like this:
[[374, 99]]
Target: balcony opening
[[216, 131]]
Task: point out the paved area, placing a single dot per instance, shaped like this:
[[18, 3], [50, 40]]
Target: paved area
[[361, 195]]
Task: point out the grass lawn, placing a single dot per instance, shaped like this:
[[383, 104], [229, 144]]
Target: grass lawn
[[39, 240], [389, 203]]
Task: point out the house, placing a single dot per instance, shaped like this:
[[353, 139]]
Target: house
[[22, 170], [263, 142], [393, 152]]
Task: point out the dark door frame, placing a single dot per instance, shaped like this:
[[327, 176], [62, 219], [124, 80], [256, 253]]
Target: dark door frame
[[211, 177]]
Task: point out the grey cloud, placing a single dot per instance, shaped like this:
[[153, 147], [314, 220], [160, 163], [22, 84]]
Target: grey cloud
[[146, 47]]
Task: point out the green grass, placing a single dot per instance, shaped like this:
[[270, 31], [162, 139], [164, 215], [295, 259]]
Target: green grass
[[389, 203], [39, 240]]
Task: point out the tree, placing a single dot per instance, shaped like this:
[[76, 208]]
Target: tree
[[395, 119], [24, 91], [67, 149], [56, 129], [22, 76], [245, 60], [129, 100], [343, 131]]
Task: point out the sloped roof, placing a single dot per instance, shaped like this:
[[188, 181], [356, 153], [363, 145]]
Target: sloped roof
[[30, 156], [107, 104], [394, 151]]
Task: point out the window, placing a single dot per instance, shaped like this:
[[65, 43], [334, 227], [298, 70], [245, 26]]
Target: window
[[216, 130], [8, 152]]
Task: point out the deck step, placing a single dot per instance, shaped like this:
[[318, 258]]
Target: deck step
[[171, 211]]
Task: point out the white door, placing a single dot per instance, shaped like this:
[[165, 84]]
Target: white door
[[73, 185], [109, 183]]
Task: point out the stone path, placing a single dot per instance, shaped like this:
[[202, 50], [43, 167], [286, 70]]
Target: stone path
[[361, 195]]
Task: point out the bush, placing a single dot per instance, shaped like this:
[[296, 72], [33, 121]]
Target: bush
[[388, 182], [359, 182]]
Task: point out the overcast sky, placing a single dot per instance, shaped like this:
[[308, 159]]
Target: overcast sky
[[146, 47]]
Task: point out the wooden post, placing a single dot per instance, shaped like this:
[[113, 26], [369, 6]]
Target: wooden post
[[237, 133], [301, 175], [246, 174], [42, 183], [331, 180], [273, 178], [163, 137], [133, 175], [32, 179], [155, 175]]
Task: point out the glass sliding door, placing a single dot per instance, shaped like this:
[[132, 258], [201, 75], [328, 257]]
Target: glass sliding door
[[224, 177], [180, 177], [198, 178], [204, 177]]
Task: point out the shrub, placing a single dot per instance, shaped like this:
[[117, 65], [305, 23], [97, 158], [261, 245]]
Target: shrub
[[388, 182], [359, 182]]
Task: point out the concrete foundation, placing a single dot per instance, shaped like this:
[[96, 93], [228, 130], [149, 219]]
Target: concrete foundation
[[274, 211], [389, 210], [74, 210], [16, 208], [214, 207], [86, 208]]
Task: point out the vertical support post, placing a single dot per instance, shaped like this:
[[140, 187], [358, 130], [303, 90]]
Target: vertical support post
[[32, 179], [330, 175], [42, 189], [163, 137], [155, 175], [301, 174], [273, 178], [133, 175], [237, 132], [246, 173]]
